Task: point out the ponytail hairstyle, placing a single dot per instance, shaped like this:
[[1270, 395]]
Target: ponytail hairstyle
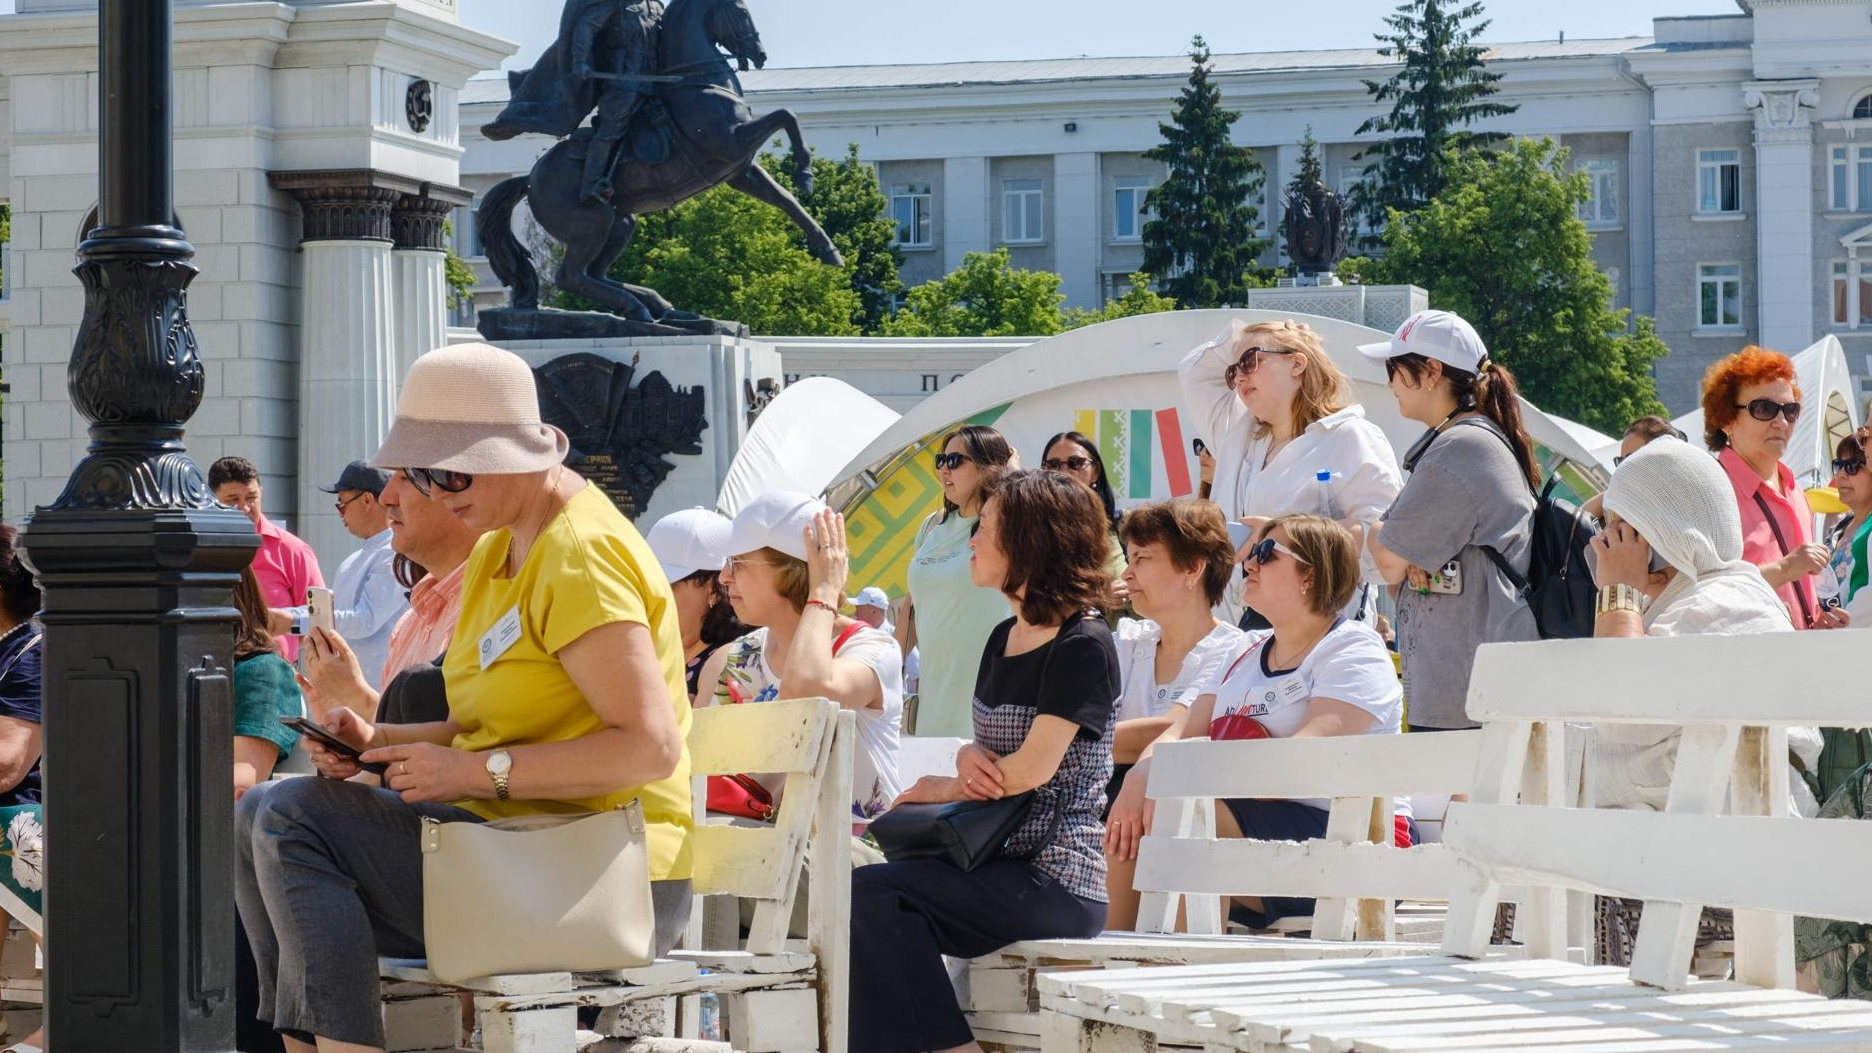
[[1492, 393]]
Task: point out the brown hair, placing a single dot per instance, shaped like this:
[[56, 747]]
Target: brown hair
[[1651, 429], [251, 636], [1057, 542], [792, 578], [1322, 387], [985, 446], [1195, 535], [719, 624], [19, 592], [1492, 393], [1331, 555], [1723, 384]]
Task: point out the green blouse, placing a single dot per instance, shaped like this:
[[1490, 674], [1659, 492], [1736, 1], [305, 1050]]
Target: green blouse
[[264, 693]]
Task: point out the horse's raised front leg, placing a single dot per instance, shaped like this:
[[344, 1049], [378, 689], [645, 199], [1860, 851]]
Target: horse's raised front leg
[[758, 184]]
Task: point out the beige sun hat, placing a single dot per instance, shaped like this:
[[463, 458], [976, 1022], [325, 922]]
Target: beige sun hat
[[471, 408]]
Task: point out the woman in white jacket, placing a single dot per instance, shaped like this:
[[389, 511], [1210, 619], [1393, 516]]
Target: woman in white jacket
[[1287, 439]]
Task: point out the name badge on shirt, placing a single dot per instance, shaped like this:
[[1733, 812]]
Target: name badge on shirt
[[499, 639], [1293, 688]]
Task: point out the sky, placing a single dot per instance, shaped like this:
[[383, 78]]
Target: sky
[[855, 32]]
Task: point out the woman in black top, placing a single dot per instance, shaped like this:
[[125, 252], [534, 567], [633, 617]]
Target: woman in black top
[[1043, 720]]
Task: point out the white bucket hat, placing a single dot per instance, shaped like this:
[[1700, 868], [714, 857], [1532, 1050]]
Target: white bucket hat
[[676, 542], [776, 519], [471, 408]]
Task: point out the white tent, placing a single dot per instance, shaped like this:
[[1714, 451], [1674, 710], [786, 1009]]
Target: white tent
[[1831, 414], [1117, 383], [802, 439]]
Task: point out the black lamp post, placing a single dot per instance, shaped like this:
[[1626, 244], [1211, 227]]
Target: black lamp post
[[137, 562]]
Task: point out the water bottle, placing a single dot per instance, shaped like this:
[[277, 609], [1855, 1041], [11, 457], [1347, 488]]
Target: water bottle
[[709, 1023], [1328, 505]]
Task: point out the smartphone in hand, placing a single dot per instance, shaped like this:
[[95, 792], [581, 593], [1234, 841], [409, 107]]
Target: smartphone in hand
[[319, 604], [325, 738]]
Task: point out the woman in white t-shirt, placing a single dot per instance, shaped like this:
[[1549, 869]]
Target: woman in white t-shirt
[[786, 573], [1278, 413], [1180, 561], [1314, 674]]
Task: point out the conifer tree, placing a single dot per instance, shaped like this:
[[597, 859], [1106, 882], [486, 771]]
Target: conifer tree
[[1200, 235], [1310, 170], [1443, 87]]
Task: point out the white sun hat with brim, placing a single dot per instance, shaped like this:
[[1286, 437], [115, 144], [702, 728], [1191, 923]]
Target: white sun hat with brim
[[676, 542], [777, 519], [471, 408]]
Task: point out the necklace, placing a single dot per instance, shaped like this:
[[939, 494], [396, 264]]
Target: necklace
[[1301, 654], [515, 557]]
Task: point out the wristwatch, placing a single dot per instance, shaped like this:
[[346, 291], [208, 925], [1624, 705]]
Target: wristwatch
[[499, 763], [1620, 597]]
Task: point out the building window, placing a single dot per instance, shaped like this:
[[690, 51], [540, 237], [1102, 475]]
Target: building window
[[1128, 215], [1023, 208], [1719, 295], [1601, 210], [1350, 178], [1850, 179], [1862, 110], [910, 210], [1852, 293], [1616, 279], [467, 234], [1719, 181]]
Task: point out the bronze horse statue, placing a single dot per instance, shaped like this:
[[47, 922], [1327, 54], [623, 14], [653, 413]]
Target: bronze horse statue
[[714, 140]]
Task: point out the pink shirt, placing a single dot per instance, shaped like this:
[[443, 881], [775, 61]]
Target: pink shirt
[[424, 631], [1759, 544], [285, 568]]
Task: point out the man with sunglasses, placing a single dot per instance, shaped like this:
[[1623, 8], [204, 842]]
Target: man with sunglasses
[[285, 566], [367, 599]]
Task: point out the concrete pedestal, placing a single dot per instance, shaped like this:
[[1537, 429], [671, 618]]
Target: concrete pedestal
[[1383, 307], [727, 369]]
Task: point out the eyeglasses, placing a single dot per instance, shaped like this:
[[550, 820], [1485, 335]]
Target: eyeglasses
[[1252, 357], [1077, 464], [1849, 466], [744, 562], [946, 462], [428, 480], [1766, 410], [342, 505], [1262, 553]]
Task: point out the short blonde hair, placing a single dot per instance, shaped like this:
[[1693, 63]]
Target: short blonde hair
[[1331, 557], [1322, 387]]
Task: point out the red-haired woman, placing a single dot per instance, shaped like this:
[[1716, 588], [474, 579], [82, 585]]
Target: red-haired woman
[[1750, 406]]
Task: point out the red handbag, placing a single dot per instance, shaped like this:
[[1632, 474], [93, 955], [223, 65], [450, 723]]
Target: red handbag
[[740, 794]]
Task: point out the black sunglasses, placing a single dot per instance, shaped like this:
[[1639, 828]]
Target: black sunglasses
[[1766, 410], [1261, 553], [1849, 466], [951, 461], [1077, 464], [428, 480]]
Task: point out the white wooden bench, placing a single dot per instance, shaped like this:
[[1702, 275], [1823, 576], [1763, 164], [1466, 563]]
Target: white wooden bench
[[775, 998], [1724, 840], [1355, 867]]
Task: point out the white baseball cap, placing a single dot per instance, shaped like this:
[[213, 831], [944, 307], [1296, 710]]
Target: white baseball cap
[[675, 540], [1442, 335], [777, 520], [871, 596]]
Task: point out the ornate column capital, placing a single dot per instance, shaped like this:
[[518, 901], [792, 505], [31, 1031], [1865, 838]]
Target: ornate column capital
[[1783, 109], [417, 220]]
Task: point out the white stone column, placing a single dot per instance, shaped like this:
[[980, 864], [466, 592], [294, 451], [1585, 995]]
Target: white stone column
[[1784, 204], [966, 200], [421, 281], [1078, 235]]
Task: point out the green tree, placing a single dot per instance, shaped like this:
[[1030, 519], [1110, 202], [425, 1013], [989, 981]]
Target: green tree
[[1311, 170], [1139, 299], [1504, 247], [984, 297], [1200, 236], [1443, 87], [724, 255], [457, 274], [847, 201]]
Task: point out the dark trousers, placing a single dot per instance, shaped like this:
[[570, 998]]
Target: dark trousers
[[906, 916]]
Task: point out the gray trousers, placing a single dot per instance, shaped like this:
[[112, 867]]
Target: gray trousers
[[330, 879]]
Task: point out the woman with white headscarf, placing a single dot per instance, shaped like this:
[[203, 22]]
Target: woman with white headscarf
[[1670, 564]]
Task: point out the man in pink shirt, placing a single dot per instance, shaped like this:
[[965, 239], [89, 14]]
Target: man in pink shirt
[[285, 566]]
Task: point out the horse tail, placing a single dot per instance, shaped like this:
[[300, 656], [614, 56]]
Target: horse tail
[[511, 261]]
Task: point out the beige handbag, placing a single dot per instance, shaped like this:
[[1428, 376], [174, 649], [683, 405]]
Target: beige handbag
[[538, 893]]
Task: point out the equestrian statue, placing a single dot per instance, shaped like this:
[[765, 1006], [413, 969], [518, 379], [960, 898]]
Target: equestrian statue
[[670, 123]]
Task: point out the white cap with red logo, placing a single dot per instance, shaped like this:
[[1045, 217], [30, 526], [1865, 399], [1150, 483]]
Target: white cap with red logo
[[1442, 335]]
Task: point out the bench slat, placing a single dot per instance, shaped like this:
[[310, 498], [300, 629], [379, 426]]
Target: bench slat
[[1236, 867], [1342, 766]]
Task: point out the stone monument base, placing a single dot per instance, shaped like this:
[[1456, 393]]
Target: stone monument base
[[1383, 307], [503, 324], [655, 421]]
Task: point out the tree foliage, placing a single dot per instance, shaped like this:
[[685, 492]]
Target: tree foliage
[[1442, 88], [1200, 235], [985, 296], [1139, 299], [1504, 247], [847, 201], [1311, 171]]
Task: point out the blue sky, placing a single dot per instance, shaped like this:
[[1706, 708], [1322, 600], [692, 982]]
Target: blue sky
[[848, 32]]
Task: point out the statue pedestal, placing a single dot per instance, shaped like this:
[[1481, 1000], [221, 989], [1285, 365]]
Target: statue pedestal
[[1381, 307], [661, 436]]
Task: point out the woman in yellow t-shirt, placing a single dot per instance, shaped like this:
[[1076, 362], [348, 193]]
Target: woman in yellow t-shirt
[[565, 694]]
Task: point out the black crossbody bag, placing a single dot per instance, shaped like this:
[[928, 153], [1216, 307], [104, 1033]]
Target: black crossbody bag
[[964, 834]]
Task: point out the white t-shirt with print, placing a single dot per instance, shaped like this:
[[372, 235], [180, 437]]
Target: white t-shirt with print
[[1142, 696], [1349, 665], [748, 678]]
